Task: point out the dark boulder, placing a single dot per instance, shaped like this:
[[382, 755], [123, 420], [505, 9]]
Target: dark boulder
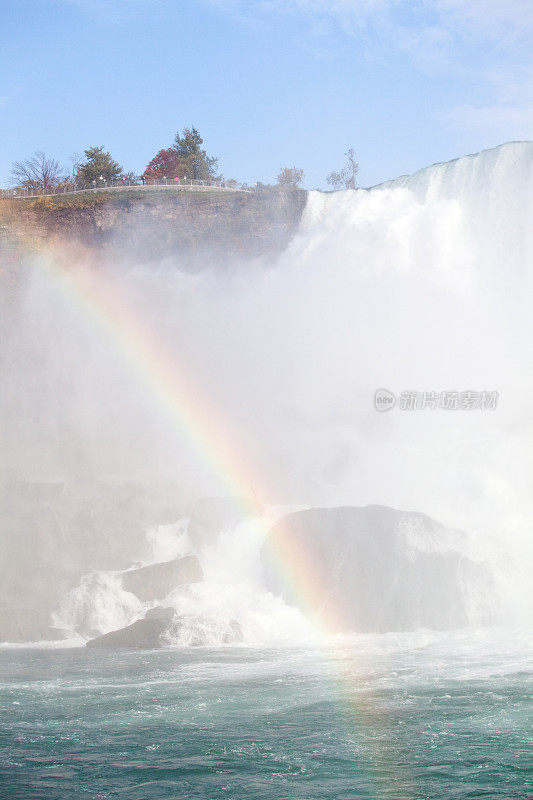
[[145, 634], [162, 626], [376, 569], [160, 612]]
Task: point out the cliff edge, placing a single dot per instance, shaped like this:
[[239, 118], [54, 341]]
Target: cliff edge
[[197, 228]]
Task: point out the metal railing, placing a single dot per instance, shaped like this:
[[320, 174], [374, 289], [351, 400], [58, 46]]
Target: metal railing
[[102, 185]]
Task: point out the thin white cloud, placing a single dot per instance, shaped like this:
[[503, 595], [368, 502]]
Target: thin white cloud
[[110, 9], [346, 12], [483, 42], [501, 20], [483, 14], [499, 122]]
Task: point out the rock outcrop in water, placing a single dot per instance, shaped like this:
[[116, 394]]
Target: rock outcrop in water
[[145, 634], [377, 569], [157, 580], [161, 626]]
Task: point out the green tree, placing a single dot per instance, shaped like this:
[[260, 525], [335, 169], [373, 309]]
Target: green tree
[[98, 165], [195, 161], [290, 177]]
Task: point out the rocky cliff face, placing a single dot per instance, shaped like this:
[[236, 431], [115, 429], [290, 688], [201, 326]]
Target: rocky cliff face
[[195, 228], [51, 533]]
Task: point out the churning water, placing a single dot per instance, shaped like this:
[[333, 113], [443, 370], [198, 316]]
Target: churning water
[[392, 717]]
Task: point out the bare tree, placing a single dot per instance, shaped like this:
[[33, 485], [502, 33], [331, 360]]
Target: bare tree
[[38, 172], [346, 178], [290, 177], [77, 161]]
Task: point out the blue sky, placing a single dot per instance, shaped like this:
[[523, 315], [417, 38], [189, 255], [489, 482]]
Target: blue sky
[[269, 83]]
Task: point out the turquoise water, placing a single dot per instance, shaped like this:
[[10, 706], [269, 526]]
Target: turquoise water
[[414, 716]]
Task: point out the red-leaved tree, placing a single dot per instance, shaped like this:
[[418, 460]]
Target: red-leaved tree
[[166, 164]]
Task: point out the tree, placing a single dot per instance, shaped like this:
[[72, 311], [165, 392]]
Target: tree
[[195, 161], [98, 165], [38, 172], [77, 161], [166, 164], [130, 178], [346, 178], [290, 177]]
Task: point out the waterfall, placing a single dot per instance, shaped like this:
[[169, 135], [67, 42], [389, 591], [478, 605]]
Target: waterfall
[[419, 286]]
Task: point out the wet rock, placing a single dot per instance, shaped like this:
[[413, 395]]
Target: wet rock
[[145, 634], [163, 627], [376, 569], [157, 580]]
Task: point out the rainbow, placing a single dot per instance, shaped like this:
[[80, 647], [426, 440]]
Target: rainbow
[[121, 320], [172, 386]]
